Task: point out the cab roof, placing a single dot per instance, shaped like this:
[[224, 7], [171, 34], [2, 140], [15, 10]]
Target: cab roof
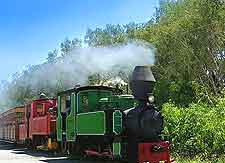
[[78, 89]]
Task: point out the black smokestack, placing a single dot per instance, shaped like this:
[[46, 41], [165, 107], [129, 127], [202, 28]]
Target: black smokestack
[[142, 82]]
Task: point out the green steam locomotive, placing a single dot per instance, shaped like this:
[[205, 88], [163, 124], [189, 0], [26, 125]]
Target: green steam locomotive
[[102, 122], [91, 118]]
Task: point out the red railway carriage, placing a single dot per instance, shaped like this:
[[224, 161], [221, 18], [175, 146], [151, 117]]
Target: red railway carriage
[[39, 122], [9, 124]]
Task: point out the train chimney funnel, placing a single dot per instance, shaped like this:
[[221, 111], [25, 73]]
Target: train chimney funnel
[[142, 82]]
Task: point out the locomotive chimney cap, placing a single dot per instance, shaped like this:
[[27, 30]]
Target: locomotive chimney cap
[[142, 82], [42, 95], [143, 73]]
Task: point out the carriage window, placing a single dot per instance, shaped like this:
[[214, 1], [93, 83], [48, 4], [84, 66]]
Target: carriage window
[[65, 104], [40, 110], [20, 117]]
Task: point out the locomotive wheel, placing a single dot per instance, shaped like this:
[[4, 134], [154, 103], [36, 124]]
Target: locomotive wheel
[[63, 147], [77, 150], [28, 143], [33, 143]]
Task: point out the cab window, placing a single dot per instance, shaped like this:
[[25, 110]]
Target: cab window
[[83, 103]]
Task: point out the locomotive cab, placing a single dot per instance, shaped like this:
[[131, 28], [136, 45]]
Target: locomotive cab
[[80, 115]]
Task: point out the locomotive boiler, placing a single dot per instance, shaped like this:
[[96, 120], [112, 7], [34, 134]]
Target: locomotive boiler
[[144, 123]]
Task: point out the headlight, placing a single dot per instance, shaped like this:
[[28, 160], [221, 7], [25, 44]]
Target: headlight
[[151, 98]]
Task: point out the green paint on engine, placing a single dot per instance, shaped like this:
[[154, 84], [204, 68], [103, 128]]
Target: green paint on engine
[[70, 121], [86, 115], [117, 101], [116, 149], [59, 121], [92, 123], [117, 122], [88, 100]]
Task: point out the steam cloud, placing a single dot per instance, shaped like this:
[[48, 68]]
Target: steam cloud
[[77, 66]]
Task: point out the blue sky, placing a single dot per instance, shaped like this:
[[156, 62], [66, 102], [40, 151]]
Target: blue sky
[[29, 29]]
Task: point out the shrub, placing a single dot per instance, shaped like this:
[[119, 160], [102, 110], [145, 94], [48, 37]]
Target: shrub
[[197, 130]]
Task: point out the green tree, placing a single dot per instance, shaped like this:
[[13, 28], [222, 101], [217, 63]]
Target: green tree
[[68, 45], [103, 37], [189, 38], [52, 56], [112, 34]]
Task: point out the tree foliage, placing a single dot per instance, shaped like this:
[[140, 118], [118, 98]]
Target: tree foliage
[[111, 34], [197, 130], [189, 38], [52, 55], [68, 45]]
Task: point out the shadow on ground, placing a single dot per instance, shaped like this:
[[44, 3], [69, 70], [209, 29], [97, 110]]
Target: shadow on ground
[[43, 156]]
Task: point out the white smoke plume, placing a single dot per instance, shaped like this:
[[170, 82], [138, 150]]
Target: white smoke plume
[[77, 66]]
